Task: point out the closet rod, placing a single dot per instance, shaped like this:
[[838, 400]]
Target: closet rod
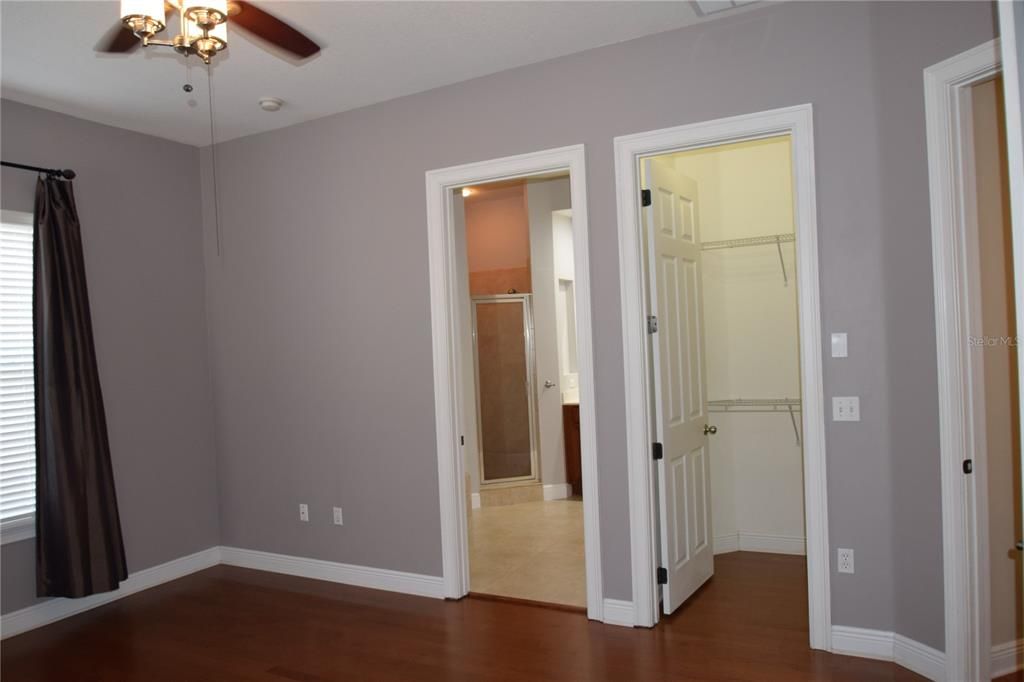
[[65, 173]]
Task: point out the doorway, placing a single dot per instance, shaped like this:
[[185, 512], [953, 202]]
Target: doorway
[[725, 357], [978, 353], [996, 354], [671, 400], [513, 358], [525, 527]]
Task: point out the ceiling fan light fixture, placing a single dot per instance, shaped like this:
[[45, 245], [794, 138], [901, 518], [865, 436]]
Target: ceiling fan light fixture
[[143, 17], [206, 42], [206, 13], [203, 27]]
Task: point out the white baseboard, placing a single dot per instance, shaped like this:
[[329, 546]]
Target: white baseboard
[[862, 642], [618, 612], [51, 610], [1007, 658], [349, 574], [726, 543], [745, 541], [920, 658], [552, 491], [889, 646], [557, 491]]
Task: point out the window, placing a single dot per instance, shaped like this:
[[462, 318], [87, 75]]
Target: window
[[17, 390]]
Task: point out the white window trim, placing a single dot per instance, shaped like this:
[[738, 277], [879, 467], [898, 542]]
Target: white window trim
[[17, 529], [20, 527]]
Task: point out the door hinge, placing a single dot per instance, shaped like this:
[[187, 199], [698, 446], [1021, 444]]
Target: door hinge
[[462, 440], [645, 197], [652, 324], [968, 466], [662, 575], [657, 451]]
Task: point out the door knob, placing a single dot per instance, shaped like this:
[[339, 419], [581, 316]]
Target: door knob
[[548, 383], [710, 430], [1020, 545]]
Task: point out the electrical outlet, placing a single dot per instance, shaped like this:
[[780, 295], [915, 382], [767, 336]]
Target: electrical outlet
[[845, 560], [846, 409], [304, 513], [337, 516]]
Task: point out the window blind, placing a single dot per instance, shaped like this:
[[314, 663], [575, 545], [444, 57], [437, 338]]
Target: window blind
[[17, 391]]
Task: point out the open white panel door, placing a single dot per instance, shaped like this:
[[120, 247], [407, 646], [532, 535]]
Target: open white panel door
[[680, 411]]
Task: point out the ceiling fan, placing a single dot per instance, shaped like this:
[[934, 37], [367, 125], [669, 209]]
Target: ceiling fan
[[204, 27]]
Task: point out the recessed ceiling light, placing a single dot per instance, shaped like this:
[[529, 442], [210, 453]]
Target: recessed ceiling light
[[466, 191], [271, 103]]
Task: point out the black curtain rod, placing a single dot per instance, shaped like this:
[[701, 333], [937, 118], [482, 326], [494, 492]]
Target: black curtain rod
[[65, 173]]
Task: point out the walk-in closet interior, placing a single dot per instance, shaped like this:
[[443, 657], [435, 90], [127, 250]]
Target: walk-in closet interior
[[743, 217]]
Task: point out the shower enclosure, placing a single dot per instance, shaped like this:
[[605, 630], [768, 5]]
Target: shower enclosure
[[505, 401]]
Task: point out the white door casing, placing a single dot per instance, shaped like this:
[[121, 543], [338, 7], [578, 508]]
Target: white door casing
[[965, 569], [680, 396], [796, 121], [448, 387]]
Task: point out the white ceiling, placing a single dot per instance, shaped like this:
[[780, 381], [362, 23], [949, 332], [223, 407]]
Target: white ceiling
[[373, 51]]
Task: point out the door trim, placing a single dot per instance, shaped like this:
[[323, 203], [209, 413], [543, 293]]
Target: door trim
[[447, 372], [956, 264], [798, 123]]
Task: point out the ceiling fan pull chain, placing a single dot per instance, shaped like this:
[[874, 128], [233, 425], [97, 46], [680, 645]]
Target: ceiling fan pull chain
[[213, 160]]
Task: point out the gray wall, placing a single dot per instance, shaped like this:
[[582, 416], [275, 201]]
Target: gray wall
[[320, 327], [141, 232], [321, 338]]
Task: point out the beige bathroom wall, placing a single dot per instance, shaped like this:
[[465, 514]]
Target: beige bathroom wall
[[498, 239], [999, 361]]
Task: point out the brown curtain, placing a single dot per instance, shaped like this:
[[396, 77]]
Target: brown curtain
[[79, 550]]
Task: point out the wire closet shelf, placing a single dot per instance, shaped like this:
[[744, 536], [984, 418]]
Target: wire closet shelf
[[788, 405], [769, 239]]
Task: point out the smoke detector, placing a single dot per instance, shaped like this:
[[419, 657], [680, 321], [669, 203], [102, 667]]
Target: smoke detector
[[271, 103]]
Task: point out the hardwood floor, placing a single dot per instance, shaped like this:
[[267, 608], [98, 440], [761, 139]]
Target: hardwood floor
[[227, 624]]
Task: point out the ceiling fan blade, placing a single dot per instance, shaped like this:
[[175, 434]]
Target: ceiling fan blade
[[268, 27], [118, 39]]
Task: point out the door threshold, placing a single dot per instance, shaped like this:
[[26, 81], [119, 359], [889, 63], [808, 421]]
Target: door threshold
[[527, 602]]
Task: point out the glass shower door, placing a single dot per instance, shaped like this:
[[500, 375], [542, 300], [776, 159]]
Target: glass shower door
[[503, 336]]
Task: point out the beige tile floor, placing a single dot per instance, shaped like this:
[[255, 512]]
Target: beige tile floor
[[532, 550]]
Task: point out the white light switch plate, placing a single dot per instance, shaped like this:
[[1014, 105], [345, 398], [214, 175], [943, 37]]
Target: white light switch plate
[[304, 513], [839, 347], [845, 409], [337, 516]]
